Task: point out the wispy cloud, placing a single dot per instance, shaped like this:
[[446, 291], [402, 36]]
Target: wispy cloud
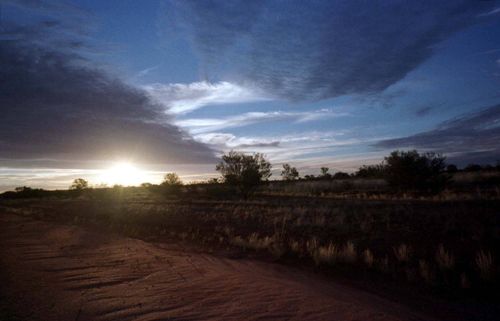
[[322, 49], [144, 72], [291, 147], [185, 98], [204, 125], [472, 136]]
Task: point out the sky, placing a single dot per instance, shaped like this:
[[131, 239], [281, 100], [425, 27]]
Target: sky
[[171, 85]]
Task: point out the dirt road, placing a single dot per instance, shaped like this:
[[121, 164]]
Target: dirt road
[[61, 272]]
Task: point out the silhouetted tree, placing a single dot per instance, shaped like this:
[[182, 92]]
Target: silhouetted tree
[[341, 175], [472, 168], [22, 189], [324, 172], [171, 179], [413, 171], [244, 172], [371, 171], [289, 173], [79, 184], [171, 184]]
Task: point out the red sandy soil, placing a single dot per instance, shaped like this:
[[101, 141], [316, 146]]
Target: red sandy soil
[[60, 272]]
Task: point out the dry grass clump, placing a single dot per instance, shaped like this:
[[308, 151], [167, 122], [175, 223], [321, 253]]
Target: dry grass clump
[[257, 243], [484, 263], [312, 246], [402, 253], [327, 254], [368, 258], [331, 253], [425, 271], [348, 253], [444, 259]]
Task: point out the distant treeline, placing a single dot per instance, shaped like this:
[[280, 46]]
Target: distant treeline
[[242, 174]]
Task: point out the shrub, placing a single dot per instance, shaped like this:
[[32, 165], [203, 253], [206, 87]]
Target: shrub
[[171, 184], [341, 175], [289, 173], [171, 179], [413, 171], [371, 171], [324, 172], [79, 184], [244, 172]]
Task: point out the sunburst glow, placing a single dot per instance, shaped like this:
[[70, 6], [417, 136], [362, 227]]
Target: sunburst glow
[[123, 174]]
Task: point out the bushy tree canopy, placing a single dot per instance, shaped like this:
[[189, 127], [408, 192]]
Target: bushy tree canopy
[[244, 171], [79, 184], [409, 170], [171, 179], [289, 173]]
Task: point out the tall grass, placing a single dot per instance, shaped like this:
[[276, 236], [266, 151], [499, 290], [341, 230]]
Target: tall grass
[[444, 258], [484, 263], [402, 253]]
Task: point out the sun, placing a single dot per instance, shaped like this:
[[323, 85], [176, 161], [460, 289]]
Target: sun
[[122, 173]]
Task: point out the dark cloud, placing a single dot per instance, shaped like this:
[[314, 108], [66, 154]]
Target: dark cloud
[[322, 49], [473, 137], [423, 111], [56, 107]]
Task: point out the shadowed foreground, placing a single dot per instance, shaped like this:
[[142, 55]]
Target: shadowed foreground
[[61, 272]]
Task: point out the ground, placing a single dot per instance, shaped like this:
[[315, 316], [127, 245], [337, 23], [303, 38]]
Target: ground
[[52, 271]]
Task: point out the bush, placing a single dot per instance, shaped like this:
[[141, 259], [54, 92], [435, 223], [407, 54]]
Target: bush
[[371, 171], [341, 175], [413, 171], [289, 173], [245, 172], [171, 184]]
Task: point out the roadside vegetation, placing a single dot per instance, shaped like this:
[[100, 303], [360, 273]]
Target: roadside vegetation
[[412, 221]]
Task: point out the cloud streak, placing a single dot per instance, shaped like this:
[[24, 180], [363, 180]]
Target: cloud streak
[[185, 98], [470, 137], [322, 49], [55, 106], [205, 125]]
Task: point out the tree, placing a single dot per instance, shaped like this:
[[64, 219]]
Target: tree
[[473, 168], [324, 172], [413, 171], [171, 184], [79, 184], [371, 171], [244, 172], [289, 173], [171, 179], [341, 175]]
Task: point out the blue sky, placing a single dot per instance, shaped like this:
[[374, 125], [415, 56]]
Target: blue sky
[[170, 85]]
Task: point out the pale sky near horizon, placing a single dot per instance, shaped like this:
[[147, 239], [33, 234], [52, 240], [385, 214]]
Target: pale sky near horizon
[[170, 85]]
